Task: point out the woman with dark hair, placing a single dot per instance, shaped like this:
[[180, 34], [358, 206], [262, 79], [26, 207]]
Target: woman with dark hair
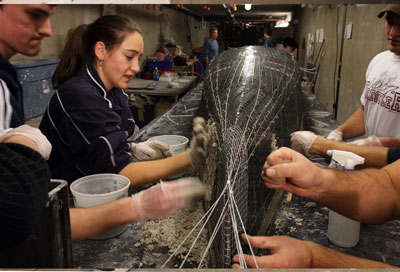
[[88, 120]]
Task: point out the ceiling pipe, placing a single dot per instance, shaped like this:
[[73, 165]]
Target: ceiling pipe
[[230, 13], [184, 10], [248, 19], [260, 19]]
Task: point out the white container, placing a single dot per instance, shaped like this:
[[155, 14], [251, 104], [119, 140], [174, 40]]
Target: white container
[[176, 143], [343, 231], [98, 189]]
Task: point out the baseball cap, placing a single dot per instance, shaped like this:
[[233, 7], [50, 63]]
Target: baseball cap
[[395, 8]]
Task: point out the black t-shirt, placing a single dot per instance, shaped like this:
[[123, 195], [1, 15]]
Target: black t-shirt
[[24, 183]]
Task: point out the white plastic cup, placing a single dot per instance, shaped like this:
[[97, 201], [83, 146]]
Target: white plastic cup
[[98, 189], [176, 143], [343, 231]]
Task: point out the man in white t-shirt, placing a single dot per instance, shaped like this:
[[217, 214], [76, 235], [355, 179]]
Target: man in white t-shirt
[[381, 96], [378, 117]]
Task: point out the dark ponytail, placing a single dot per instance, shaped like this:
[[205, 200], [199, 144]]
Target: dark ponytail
[[79, 48], [73, 57]]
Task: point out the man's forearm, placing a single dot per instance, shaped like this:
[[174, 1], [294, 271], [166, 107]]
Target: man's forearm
[[368, 196], [390, 142], [323, 257], [354, 126], [375, 156]]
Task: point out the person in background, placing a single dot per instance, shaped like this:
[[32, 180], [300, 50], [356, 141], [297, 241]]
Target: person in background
[[378, 116], [267, 38], [289, 45], [286, 44], [88, 120], [368, 196], [210, 46], [24, 172]]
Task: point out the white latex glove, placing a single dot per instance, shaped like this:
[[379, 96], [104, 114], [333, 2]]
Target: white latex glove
[[136, 130], [197, 151], [301, 141], [371, 140], [335, 135], [166, 198], [35, 135], [149, 150]]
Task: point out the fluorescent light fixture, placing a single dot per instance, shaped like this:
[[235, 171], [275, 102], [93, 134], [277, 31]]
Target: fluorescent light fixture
[[281, 24], [247, 6]]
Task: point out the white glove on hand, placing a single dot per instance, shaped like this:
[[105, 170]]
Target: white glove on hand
[[149, 150], [136, 130], [301, 141], [335, 135], [371, 140], [197, 151], [35, 135], [166, 198]]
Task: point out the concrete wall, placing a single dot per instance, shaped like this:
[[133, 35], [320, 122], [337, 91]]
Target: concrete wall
[[182, 27], [282, 32], [368, 39]]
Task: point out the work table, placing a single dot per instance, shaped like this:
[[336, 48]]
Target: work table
[[295, 216], [140, 86]]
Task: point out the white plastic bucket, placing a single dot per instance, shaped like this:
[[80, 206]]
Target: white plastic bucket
[[176, 143], [98, 189]]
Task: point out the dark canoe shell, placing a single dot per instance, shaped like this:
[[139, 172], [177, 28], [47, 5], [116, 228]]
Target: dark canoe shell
[[253, 96]]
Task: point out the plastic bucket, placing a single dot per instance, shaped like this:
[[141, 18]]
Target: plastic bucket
[[98, 189], [176, 143]]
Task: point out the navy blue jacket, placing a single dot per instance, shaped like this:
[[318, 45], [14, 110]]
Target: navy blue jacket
[[88, 127], [393, 154], [11, 110]]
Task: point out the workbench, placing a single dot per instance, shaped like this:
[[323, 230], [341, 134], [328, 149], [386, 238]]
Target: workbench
[[293, 216], [139, 86]]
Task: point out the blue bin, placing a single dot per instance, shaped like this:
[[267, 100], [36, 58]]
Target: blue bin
[[35, 78]]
